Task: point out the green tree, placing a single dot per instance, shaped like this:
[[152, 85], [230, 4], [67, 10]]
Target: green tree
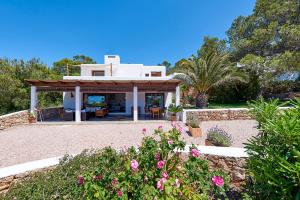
[[271, 32], [204, 73], [71, 67], [168, 66], [212, 45]]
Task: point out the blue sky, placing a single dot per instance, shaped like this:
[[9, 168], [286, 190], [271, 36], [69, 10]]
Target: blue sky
[[140, 31]]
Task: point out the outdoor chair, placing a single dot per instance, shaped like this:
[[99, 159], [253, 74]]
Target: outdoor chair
[[155, 112], [68, 115]]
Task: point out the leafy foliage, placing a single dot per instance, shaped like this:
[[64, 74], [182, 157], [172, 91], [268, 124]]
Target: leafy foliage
[[274, 155], [154, 171], [204, 73]]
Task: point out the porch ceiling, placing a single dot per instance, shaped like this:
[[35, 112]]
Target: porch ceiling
[[104, 85]]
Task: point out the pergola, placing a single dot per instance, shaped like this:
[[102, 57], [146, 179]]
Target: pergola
[[79, 86]]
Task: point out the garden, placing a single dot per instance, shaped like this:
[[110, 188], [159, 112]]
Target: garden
[[156, 170]]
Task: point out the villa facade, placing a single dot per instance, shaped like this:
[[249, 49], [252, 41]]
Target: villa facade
[[113, 88]]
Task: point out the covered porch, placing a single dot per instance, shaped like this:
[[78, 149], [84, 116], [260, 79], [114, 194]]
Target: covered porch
[[82, 98]]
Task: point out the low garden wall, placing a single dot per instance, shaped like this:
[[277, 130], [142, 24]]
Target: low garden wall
[[216, 114], [21, 117], [13, 119]]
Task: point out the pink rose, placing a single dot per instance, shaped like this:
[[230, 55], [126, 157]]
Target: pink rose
[[134, 165], [157, 156], [217, 181], [170, 142], [165, 174], [177, 183], [160, 164], [195, 153], [144, 130], [114, 181], [120, 193], [80, 180], [160, 184]]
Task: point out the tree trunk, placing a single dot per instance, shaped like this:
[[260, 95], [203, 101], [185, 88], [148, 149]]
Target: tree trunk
[[202, 100]]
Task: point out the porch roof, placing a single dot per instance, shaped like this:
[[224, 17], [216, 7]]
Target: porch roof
[[104, 85]]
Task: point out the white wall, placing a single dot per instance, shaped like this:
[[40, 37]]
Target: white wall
[[122, 70], [69, 102], [168, 98]]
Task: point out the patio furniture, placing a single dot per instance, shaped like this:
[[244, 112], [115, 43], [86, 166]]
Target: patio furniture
[[155, 112], [84, 115], [101, 112], [68, 115]]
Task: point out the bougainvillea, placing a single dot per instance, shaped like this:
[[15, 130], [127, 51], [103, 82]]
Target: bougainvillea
[[154, 171]]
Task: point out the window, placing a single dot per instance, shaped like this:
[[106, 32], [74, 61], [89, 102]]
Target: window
[[147, 75], [154, 100], [98, 73], [156, 74]]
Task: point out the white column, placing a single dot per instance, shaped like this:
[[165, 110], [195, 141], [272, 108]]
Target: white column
[[177, 98], [135, 103], [77, 104], [33, 99]]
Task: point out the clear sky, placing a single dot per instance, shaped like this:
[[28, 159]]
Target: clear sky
[[140, 31]]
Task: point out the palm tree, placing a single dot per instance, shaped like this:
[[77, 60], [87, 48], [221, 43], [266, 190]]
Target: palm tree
[[204, 73]]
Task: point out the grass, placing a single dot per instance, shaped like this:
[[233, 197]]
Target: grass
[[213, 105]]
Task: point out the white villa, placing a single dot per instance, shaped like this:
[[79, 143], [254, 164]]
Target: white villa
[[112, 88]]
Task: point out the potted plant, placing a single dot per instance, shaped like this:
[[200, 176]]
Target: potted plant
[[218, 137], [31, 118], [194, 127], [174, 110]]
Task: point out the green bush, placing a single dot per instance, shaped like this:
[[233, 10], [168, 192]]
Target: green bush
[[219, 137], [274, 155], [153, 171]]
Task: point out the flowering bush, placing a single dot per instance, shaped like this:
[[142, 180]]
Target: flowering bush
[[154, 171]]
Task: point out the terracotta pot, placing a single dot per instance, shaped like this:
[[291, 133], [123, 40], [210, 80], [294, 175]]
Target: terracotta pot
[[31, 120], [195, 132], [208, 143], [173, 118]]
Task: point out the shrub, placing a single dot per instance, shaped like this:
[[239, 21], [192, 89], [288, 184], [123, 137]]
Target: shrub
[[274, 155], [174, 109], [153, 171], [156, 171], [219, 137]]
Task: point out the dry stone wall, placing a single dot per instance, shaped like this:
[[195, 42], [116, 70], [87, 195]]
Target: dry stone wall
[[217, 114], [14, 119]]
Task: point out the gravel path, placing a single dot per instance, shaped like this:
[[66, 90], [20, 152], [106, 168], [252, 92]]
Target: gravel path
[[34, 142]]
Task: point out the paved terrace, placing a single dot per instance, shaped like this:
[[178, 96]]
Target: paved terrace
[[34, 142]]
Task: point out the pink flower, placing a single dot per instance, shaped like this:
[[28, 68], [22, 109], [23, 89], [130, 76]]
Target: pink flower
[[134, 165], [177, 183], [195, 153], [160, 164], [173, 124], [120, 193], [98, 178], [144, 130], [165, 175], [157, 156], [217, 181], [170, 142], [114, 181], [160, 127], [160, 184], [80, 180]]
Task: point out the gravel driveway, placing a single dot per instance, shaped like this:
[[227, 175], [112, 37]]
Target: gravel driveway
[[34, 142]]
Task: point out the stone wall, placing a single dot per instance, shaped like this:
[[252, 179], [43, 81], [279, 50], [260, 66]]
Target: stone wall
[[216, 114], [235, 167], [13, 119]]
